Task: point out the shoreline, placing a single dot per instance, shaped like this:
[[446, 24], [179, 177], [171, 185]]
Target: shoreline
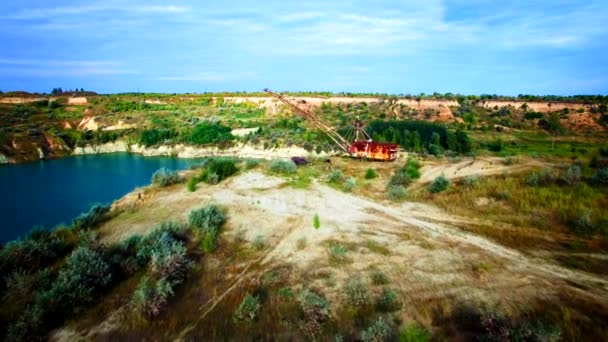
[[183, 151]]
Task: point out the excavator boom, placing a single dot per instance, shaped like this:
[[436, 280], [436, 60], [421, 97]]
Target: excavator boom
[[367, 148]]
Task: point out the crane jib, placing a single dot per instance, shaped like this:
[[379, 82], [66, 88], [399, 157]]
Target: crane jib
[[359, 148]]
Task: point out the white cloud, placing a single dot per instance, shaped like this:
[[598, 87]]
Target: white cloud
[[43, 13], [300, 16], [210, 76], [45, 68]]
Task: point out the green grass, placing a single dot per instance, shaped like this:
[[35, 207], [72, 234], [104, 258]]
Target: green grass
[[540, 144]]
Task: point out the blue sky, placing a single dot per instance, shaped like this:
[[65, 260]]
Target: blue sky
[[461, 46]]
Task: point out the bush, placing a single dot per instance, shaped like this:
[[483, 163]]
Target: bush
[[582, 222], [155, 136], [169, 260], [164, 177], [39, 249], [370, 174], [251, 163], [337, 251], [471, 181], [388, 301], [396, 192], [400, 179], [335, 176], [379, 278], [496, 145], [209, 243], [222, 167], [601, 177], [163, 235], [286, 293], [316, 311], [439, 184], [542, 178], [21, 286], [207, 219], [283, 166], [81, 280], [258, 243], [414, 333], [90, 219], [355, 293], [572, 175], [413, 164], [210, 133], [378, 332], [350, 184], [150, 297], [248, 310], [192, 184], [316, 222]]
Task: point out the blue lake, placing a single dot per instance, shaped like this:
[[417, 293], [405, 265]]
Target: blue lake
[[50, 192]]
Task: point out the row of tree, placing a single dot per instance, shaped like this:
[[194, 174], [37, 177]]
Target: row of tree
[[420, 135]]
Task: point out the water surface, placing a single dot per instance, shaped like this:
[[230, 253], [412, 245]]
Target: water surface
[[50, 192]]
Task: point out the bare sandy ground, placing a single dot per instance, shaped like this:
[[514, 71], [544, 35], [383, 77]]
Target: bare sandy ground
[[419, 247], [487, 166]]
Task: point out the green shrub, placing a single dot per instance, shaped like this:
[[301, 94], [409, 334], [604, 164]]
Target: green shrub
[[286, 293], [207, 219], [470, 181], [96, 215], [158, 239], [210, 133], [601, 177], [337, 251], [248, 310], [439, 184], [413, 164], [151, 296], [169, 260], [316, 222], [378, 278], [283, 166], [192, 184], [355, 293], [251, 163], [81, 280], [156, 136], [335, 176], [400, 179], [414, 333], [209, 243], [350, 184], [258, 243], [370, 174], [496, 145], [222, 167], [316, 311], [388, 301], [164, 177], [39, 249], [378, 332], [396, 192], [21, 286], [582, 222], [572, 175]]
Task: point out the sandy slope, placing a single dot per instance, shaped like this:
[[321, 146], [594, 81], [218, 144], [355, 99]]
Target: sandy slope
[[420, 248]]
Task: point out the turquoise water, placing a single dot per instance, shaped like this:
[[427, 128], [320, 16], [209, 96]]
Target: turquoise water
[[51, 192]]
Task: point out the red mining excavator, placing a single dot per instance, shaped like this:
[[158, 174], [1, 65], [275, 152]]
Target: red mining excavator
[[362, 145]]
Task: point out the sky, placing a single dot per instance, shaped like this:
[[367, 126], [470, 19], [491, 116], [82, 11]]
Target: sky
[[399, 47]]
